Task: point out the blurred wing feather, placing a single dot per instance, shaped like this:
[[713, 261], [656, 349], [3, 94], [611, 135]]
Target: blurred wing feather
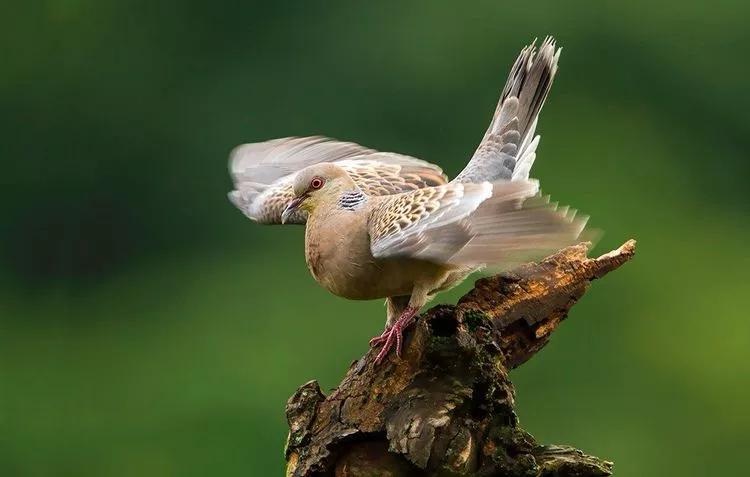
[[266, 162]]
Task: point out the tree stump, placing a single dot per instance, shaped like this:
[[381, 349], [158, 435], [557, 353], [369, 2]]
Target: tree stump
[[446, 407]]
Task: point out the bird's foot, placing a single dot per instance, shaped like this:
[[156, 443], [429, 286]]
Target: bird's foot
[[379, 340], [393, 335]]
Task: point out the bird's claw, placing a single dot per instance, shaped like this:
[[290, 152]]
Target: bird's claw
[[393, 335], [378, 340]]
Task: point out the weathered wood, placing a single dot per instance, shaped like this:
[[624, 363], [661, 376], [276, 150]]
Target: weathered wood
[[446, 408]]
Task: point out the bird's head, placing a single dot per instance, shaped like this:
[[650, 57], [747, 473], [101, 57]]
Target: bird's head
[[315, 185]]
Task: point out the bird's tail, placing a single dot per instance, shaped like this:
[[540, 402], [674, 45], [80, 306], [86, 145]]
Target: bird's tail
[[508, 148]]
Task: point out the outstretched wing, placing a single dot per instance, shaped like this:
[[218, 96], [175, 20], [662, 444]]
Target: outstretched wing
[[508, 148], [266, 162], [263, 173], [472, 224]]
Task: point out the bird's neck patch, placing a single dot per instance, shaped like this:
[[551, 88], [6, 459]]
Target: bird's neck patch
[[352, 200]]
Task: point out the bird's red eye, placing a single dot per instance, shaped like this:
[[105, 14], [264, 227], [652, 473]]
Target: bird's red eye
[[316, 183]]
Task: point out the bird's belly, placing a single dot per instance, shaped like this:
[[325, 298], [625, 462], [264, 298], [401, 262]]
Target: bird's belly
[[343, 264]]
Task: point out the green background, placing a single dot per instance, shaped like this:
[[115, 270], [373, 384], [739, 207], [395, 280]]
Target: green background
[[147, 328]]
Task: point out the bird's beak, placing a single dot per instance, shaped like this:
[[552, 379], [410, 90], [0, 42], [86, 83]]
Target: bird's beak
[[291, 207]]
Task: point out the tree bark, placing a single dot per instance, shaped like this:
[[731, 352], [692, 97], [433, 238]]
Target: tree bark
[[446, 407]]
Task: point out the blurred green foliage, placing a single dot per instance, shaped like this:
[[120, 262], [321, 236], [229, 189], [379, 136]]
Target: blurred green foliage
[[147, 328]]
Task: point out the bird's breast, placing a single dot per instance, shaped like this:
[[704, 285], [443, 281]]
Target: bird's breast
[[337, 251]]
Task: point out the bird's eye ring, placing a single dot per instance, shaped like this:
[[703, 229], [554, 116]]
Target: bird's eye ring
[[316, 183]]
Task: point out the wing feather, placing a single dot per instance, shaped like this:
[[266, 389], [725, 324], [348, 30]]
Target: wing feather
[[508, 147], [472, 224], [266, 162]]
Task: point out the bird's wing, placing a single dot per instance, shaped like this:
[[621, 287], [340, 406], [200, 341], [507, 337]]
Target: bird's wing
[[266, 162], [378, 174], [508, 148], [471, 224], [263, 173]]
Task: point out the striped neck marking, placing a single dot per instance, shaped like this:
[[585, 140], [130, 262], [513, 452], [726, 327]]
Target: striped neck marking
[[352, 200]]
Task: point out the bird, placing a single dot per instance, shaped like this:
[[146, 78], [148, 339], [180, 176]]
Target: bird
[[385, 225]]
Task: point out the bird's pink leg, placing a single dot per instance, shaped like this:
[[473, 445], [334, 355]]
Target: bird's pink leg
[[393, 334]]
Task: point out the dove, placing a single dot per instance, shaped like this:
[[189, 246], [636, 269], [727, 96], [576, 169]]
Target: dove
[[384, 225]]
